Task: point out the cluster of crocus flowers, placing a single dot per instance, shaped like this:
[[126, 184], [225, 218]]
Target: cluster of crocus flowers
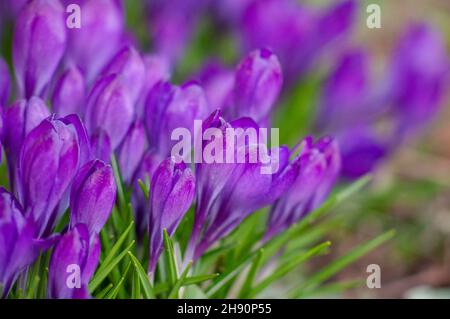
[[85, 96]]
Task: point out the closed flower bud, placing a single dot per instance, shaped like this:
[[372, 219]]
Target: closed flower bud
[[171, 194], [48, 162], [39, 44], [131, 150], [5, 83]]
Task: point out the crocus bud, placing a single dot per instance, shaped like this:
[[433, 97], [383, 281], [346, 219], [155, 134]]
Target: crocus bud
[[319, 167], [109, 108], [145, 171], [5, 84], [169, 107], [39, 44], [99, 38], [92, 196], [157, 68], [131, 150], [129, 66], [16, 236], [257, 85], [72, 264], [48, 162], [101, 146], [171, 194], [419, 75], [69, 94]]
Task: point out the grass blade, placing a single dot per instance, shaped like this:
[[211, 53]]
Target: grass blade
[[146, 286], [174, 292], [171, 261], [114, 250]]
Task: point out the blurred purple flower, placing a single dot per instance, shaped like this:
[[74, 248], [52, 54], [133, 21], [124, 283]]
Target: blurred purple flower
[[99, 38], [171, 194], [75, 251], [16, 237], [69, 93], [92, 196], [101, 146], [110, 108], [128, 64], [39, 45], [169, 107]]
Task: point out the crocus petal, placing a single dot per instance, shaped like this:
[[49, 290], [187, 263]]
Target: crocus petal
[[132, 150], [69, 94], [5, 83]]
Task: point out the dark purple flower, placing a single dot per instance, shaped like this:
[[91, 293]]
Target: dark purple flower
[[109, 108], [99, 38], [72, 264], [39, 44], [131, 150], [419, 77], [171, 193], [16, 237], [128, 64], [92, 196], [257, 85], [229, 192], [48, 162], [148, 165], [319, 166], [169, 107], [5, 83], [70, 93]]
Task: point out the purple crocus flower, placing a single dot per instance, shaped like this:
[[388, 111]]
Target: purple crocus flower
[[319, 165], [169, 107], [101, 146], [229, 192], [128, 64], [419, 75], [171, 194], [39, 45], [73, 263], [92, 196], [257, 85], [99, 38], [131, 150], [16, 237], [148, 165], [109, 108], [5, 83], [69, 93], [48, 162]]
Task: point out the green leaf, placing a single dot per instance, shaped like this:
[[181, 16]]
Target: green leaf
[[136, 286], [174, 292], [195, 292], [115, 249], [335, 266], [224, 278], [199, 279], [103, 271], [248, 283], [104, 291], [144, 188], [113, 293], [170, 257], [283, 269], [119, 183], [147, 287]]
